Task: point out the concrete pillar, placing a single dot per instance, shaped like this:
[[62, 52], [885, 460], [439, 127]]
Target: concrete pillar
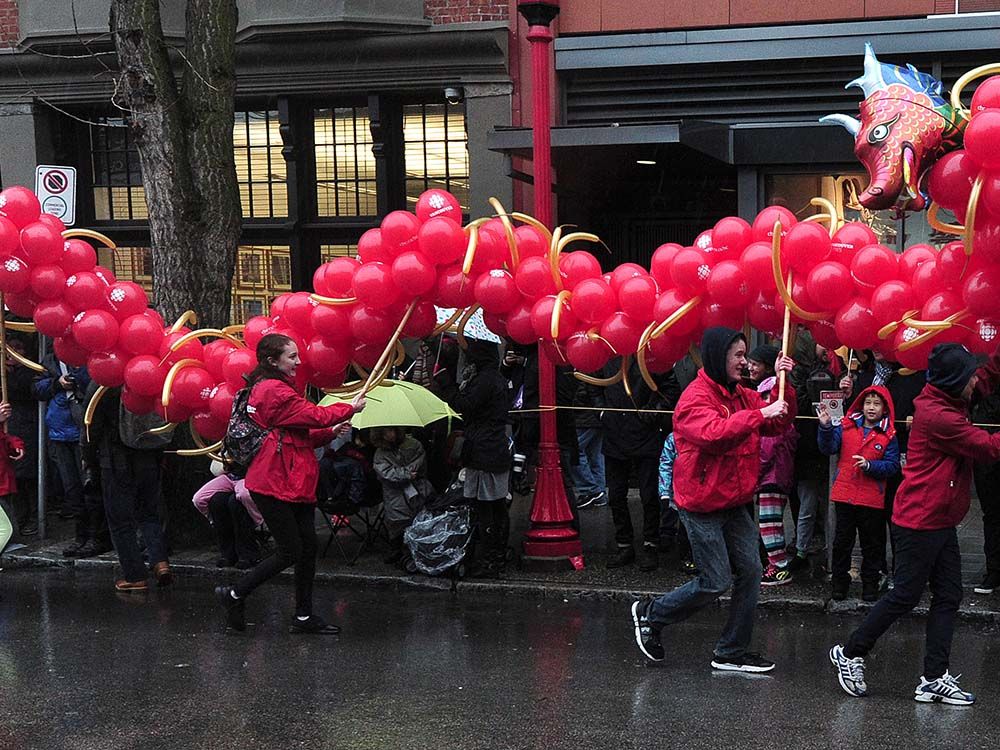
[[486, 106], [26, 143]]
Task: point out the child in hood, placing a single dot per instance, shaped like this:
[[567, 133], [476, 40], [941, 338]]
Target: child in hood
[[11, 449], [869, 455]]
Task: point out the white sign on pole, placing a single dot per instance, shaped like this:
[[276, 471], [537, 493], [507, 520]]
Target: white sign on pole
[[55, 187]]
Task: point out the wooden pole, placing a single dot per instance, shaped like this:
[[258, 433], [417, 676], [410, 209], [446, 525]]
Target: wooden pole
[[785, 339], [3, 355]]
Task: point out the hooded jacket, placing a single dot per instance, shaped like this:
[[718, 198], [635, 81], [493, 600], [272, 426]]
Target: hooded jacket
[[638, 433], [717, 428], [903, 389], [937, 478], [878, 444], [777, 452]]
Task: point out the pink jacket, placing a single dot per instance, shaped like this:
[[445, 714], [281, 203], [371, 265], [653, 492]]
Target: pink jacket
[[225, 483]]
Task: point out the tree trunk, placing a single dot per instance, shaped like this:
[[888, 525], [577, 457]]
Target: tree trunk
[[184, 134]]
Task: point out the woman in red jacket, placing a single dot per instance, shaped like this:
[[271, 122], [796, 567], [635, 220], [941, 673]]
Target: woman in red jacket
[[282, 479]]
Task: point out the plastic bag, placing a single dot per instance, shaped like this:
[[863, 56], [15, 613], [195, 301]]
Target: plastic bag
[[437, 542]]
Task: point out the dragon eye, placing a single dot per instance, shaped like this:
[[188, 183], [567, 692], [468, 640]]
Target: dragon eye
[[881, 131]]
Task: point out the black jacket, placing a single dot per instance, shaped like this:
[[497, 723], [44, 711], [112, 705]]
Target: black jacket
[[483, 401], [529, 431], [633, 434]]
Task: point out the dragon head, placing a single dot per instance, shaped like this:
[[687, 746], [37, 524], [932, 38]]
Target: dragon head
[[905, 126]]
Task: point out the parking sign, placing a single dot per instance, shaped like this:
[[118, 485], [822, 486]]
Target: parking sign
[[55, 187]]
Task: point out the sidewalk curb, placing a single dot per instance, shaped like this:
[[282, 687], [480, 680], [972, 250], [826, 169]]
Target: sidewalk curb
[[976, 611]]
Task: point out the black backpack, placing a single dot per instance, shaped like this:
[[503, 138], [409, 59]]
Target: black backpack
[[243, 435]]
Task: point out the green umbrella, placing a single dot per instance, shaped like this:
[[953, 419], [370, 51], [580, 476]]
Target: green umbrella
[[397, 403]]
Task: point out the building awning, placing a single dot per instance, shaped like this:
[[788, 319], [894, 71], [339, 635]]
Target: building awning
[[749, 144]]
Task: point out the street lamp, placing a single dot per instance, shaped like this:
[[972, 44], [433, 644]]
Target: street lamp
[[551, 534]]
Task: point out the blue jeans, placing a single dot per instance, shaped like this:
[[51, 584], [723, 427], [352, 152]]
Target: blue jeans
[[588, 476], [811, 496], [725, 545]]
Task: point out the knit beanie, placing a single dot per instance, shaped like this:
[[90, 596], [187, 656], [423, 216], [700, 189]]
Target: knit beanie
[[950, 367]]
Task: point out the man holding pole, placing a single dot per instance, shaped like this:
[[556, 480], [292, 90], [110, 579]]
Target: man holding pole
[[717, 428]]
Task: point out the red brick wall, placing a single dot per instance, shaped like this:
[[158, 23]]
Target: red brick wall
[[8, 23], [463, 11]]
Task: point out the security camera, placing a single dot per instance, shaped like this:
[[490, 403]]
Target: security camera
[[454, 95]]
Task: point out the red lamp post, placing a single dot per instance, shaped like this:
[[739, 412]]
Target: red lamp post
[[551, 534]]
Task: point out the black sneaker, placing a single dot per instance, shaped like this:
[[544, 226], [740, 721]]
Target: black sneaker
[[991, 582], [869, 591], [647, 638], [624, 556], [649, 558], [839, 590], [73, 550], [600, 499], [585, 500], [748, 662], [235, 608], [797, 563], [315, 625]]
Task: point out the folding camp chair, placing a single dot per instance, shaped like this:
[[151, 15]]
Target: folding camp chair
[[365, 522]]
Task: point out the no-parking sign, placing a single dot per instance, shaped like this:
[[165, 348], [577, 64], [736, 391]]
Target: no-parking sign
[[55, 187]]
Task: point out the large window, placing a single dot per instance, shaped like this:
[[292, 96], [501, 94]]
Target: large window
[[345, 165], [260, 167], [116, 177], [436, 148]]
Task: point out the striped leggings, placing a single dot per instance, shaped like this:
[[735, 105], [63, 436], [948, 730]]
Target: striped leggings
[[772, 526]]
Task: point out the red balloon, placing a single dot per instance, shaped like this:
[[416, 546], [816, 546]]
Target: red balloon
[[690, 271], [136, 403], [534, 278], [891, 300], [238, 363], [104, 275], [192, 349], [14, 276], [220, 401], [670, 302], [981, 137], [332, 323], [22, 305], [70, 352], [926, 281], [704, 242], [497, 324], [915, 358], [85, 291], [874, 265], [530, 242], [637, 297], [367, 355], [326, 359], [987, 95], [986, 238], [824, 333], [413, 273], [623, 333], [519, 325], [764, 316], [593, 301], [829, 284], [731, 235], [215, 353], [278, 306], [53, 317], [940, 306], [257, 328], [10, 238], [454, 288], [126, 299], [422, 321], [371, 326], [144, 375], [496, 292], [714, 314], [952, 263], [541, 318], [727, 285], [578, 266], [42, 244], [762, 229], [950, 180], [554, 351], [47, 282], [665, 351], [20, 205], [95, 330], [913, 257], [757, 268], [371, 249], [175, 414], [298, 313], [983, 337], [587, 354], [659, 266], [442, 240], [140, 334], [492, 250], [435, 202], [806, 245], [399, 231], [78, 256], [623, 273], [208, 427], [849, 239], [854, 325], [800, 294], [981, 293], [336, 278], [373, 285], [108, 368], [53, 221]]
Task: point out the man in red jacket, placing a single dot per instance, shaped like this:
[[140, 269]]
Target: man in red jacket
[[931, 502], [717, 426]]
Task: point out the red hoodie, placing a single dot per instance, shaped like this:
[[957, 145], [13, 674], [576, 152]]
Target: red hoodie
[[9, 444], [937, 478]]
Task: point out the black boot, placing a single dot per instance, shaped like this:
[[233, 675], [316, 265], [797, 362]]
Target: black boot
[[624, 556], [491, 553]]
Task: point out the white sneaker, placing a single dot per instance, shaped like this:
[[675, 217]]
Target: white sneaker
[[850, 672], [944, 689]]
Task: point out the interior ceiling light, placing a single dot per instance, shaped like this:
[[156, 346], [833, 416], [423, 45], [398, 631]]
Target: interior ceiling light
[[646, 162]]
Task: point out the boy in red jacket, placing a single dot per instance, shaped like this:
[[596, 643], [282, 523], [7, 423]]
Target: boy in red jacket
[[931, 502], [869, 455]]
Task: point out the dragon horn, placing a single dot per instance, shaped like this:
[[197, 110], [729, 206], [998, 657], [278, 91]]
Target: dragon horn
[[851, 125], [872, 80]]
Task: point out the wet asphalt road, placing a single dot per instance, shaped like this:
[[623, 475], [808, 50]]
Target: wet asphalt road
[[83, 668]]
